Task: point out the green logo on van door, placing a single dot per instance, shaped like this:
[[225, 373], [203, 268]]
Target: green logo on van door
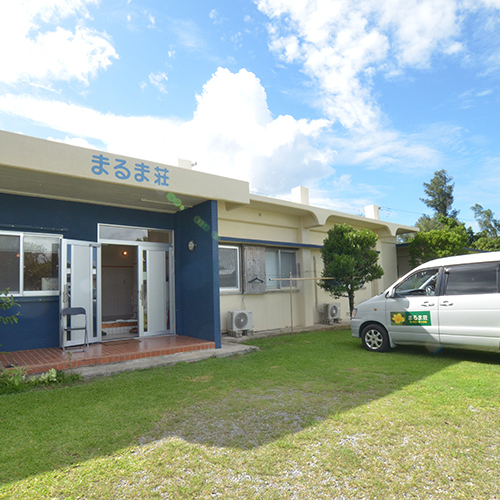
[[411, 318]]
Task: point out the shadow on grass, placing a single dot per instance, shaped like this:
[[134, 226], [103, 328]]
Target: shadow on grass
[[239, 402]]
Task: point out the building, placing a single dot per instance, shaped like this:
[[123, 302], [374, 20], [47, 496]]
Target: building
[[150, 249]]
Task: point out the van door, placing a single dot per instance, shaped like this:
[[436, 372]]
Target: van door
[[469, 309], [412, 311]]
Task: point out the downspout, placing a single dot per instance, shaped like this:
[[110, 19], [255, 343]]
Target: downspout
[[320, 310]]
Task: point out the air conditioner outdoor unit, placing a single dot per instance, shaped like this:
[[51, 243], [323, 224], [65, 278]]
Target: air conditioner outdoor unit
[[240, 322], [331, 313]]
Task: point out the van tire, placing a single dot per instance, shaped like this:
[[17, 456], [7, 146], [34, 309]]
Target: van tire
[[374, 338]]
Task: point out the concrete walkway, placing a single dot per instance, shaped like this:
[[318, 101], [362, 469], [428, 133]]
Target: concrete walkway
[[227, 349], [230, 347]]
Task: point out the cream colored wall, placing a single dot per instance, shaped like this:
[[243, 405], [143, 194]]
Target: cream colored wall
[[249, 223], [404, 265], [389, 262], [271, 310]]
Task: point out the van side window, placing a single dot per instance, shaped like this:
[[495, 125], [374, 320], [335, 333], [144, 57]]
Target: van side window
[[472, 279], [419, 283]]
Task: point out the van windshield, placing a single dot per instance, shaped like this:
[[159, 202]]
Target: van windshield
[[419, 283]]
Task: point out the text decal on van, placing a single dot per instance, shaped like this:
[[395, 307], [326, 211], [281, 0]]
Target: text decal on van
[[410, 318]]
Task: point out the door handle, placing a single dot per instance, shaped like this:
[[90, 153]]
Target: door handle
[[446, 303], [427, 304]]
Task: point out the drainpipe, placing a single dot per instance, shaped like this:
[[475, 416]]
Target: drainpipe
[[320, 310]]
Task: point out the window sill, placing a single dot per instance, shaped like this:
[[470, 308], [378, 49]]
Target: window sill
[[230, 292]]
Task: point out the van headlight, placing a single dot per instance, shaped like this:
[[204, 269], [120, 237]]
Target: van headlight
[[354, 312]]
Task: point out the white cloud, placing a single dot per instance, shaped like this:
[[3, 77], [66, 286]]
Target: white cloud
[[188, 34], [232, 133], [73, 141], [33, 55], [246, 142], [216, 17], [342, 44], [158, 80]]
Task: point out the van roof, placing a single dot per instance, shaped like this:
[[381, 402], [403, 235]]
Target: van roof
[[462, 259]]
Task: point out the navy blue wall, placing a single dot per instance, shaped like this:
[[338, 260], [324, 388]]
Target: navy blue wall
[[197, 278], [37, 326], [73, 220]]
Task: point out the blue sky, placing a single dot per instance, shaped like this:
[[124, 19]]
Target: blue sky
[[360, 101]]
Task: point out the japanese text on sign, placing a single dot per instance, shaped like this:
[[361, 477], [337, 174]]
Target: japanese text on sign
[[410, 318], [141, 172]]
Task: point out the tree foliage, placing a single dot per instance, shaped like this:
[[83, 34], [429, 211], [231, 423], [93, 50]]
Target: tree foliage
[[450, 240], [488, 225], [7, 302], [426, 223], [439, 193], [488, 238], [350, 257]]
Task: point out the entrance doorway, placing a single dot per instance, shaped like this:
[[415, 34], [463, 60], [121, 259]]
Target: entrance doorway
[[120, 311], [136, 290], [137, 282], [125, 283]]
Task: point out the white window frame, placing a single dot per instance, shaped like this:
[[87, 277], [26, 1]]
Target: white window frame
[[115, 241], [21, 292], [284, 283], [238, 269]]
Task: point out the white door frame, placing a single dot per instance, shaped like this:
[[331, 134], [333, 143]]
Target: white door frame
[[155, 294], [80, 286]]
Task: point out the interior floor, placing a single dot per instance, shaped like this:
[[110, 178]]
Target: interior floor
[[119, 295], [119, 330]]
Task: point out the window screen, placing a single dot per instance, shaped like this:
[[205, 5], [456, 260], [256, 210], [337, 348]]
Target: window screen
[[472, 279], [279, 264], [41, 260], [9, 262], [229, 276]]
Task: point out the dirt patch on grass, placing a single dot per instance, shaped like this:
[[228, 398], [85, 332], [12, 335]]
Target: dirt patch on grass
[[247, 419]]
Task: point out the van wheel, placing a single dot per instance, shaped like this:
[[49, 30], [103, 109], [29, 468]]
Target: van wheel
[[374, 338]]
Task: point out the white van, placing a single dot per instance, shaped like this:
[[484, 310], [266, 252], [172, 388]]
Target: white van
[[448, 302]]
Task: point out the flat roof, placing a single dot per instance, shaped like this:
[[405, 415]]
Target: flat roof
[[37, 167]]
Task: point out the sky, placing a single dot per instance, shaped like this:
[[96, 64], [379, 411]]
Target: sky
[[360, 101]]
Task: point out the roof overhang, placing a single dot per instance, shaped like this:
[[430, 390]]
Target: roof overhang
[[317, 217], [36, 167]]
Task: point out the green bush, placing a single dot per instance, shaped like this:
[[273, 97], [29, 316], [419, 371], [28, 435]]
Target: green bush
[[17, 379]]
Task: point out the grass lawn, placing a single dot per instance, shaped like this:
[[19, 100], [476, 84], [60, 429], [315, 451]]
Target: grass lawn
[[311, 417]]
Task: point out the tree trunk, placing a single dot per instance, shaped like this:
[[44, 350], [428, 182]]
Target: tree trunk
[[351, 303]]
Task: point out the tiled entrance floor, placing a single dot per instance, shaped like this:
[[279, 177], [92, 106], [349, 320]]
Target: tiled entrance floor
[[41, 360]]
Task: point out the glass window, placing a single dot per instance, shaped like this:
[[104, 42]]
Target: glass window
[[9, 262], [123, 233], [472, 279], [229, 268], [419, 283], [37, 255], [41, 260], [279, 264], [272, 268]]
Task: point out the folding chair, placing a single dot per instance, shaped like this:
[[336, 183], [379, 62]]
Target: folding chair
[[71, 312]]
